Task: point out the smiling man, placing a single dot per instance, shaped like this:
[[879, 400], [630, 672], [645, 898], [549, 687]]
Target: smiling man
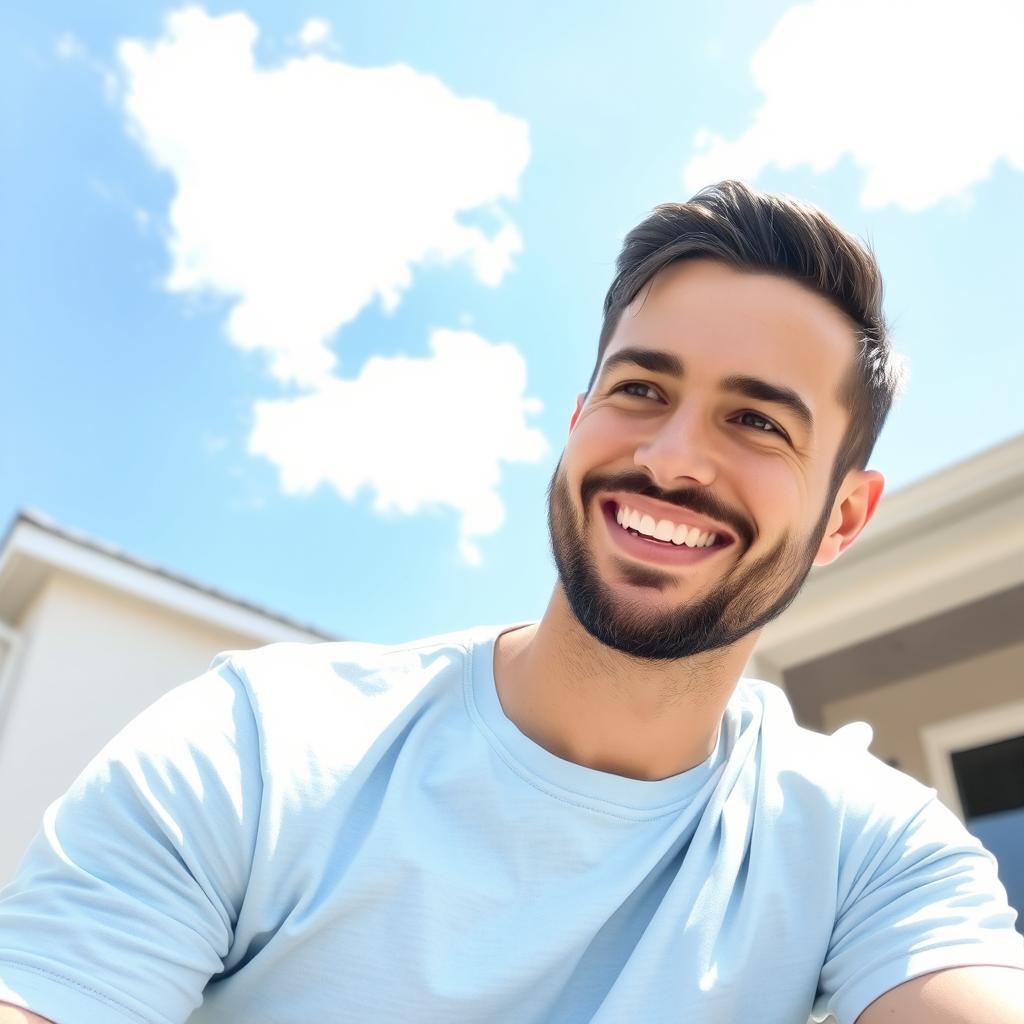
[[592, 817]]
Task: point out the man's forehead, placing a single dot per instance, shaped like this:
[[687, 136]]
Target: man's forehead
[[701, 283], [761, 318]]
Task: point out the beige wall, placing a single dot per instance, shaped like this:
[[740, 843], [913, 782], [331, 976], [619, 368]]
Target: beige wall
[[897, 712], [92, 659]]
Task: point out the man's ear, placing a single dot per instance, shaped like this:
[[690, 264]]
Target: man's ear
[[852, 510], [580, 399]]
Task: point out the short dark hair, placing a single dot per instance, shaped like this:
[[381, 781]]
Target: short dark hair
[[764, 232]]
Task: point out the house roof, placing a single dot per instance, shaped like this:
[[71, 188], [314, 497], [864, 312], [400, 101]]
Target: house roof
[[34, 545]]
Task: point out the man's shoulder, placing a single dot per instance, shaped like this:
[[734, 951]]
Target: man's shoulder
[[293, 660], [348, 676], [836, 768], [316, 709]]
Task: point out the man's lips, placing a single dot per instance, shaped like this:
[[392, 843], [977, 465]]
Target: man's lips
[[676, 514], [654, 551]]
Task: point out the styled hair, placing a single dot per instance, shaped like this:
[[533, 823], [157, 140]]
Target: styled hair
[[768, 233]]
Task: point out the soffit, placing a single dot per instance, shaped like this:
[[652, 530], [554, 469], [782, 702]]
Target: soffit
[[989, 624]]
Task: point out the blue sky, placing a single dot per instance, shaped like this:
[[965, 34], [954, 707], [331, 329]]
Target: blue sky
[[297, 298]]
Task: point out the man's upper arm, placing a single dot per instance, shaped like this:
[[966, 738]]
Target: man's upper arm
[[12, 1015], [918, 896], [958, 995], [139, 868]]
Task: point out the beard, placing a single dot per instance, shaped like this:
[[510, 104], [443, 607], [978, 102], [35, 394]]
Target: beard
[[748, 597]]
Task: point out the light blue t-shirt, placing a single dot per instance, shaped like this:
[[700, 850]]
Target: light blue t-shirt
[[354, 833]]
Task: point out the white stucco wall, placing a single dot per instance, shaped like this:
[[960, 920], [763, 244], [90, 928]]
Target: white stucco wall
[[92, 658]]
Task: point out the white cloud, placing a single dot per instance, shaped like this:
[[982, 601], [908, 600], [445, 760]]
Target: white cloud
[[313, 31], [309, 190], [305, 193], [924, 95], [424, 432]]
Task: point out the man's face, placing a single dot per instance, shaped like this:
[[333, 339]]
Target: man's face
[[715, 408]]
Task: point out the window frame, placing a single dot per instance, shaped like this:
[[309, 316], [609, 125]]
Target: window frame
[[941, 740]]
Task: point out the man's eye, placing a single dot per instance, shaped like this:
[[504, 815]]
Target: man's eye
[[758, 422], [639, 390]]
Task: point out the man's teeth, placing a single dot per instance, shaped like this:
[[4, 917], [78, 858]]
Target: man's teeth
[[663, 529]]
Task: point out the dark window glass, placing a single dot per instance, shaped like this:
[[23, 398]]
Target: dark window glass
[[991, 778]]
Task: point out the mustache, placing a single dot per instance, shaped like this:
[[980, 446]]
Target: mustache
[[696, 500]]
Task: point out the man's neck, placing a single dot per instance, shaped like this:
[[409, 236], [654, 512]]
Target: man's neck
[[587, 703]]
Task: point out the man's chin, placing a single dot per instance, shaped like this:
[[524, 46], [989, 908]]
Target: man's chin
[[651, 585]]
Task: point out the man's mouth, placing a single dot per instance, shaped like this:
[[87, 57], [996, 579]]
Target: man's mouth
[[670, 540], [677, 529], [664, 530]]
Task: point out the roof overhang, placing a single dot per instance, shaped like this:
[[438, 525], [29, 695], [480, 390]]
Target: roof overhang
[[34, 548]]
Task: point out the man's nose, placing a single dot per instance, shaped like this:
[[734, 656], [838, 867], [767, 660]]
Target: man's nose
[[681, 452]]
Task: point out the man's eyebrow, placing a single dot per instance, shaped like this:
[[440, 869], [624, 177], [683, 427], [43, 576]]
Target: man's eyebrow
[[649, 359], [656, 361]]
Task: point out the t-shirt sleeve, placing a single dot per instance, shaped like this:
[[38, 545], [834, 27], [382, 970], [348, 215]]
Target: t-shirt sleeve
[[917, 894], [124, 905]]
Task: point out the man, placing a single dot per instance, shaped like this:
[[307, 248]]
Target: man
[[587, 818]]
